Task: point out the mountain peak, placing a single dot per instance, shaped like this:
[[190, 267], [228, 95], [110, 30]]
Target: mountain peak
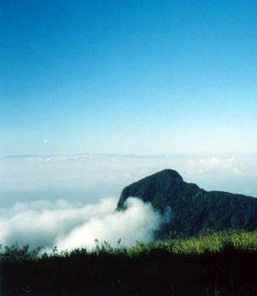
[[167, 173], [166, 182], [193, 208]]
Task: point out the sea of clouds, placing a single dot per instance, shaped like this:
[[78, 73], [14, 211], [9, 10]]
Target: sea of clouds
[[64, 200], [69, 225]]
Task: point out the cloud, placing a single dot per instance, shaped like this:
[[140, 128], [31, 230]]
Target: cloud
[[236, 174], [69, 226], [221, 166], [92, 177], [73, 223]]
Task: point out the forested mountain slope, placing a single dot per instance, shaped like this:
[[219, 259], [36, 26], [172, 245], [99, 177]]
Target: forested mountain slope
[[191, 208]]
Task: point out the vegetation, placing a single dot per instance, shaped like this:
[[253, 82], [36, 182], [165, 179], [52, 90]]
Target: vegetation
[[192, 208], [208, 264]]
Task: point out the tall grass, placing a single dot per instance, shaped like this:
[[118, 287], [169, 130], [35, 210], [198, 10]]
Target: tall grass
[[222, 263], [212, 242]]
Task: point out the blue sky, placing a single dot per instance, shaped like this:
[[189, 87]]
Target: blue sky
[[140, 77]]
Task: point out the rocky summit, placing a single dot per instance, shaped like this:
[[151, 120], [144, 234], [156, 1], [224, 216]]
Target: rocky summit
[[191, 208]]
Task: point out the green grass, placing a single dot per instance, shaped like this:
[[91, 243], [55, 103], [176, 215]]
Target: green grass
[[221, 263], [205, 242]]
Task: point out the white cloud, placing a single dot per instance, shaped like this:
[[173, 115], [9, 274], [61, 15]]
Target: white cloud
[[91, 177], [69, 226]]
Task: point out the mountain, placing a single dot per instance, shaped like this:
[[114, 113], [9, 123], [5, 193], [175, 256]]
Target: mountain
[[191, 208]]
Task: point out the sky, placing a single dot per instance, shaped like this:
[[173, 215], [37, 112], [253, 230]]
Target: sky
[[128, 77], [95, 95]]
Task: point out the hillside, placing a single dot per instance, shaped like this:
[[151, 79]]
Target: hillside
[[191, 208]]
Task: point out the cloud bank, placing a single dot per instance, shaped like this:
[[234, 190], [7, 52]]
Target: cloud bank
[[91, 177], [70, 226]]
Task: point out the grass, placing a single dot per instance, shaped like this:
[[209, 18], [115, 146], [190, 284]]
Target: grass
[[210, 264], [212, 242]]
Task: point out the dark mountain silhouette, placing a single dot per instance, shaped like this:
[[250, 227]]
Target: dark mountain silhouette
[[191, 208]]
